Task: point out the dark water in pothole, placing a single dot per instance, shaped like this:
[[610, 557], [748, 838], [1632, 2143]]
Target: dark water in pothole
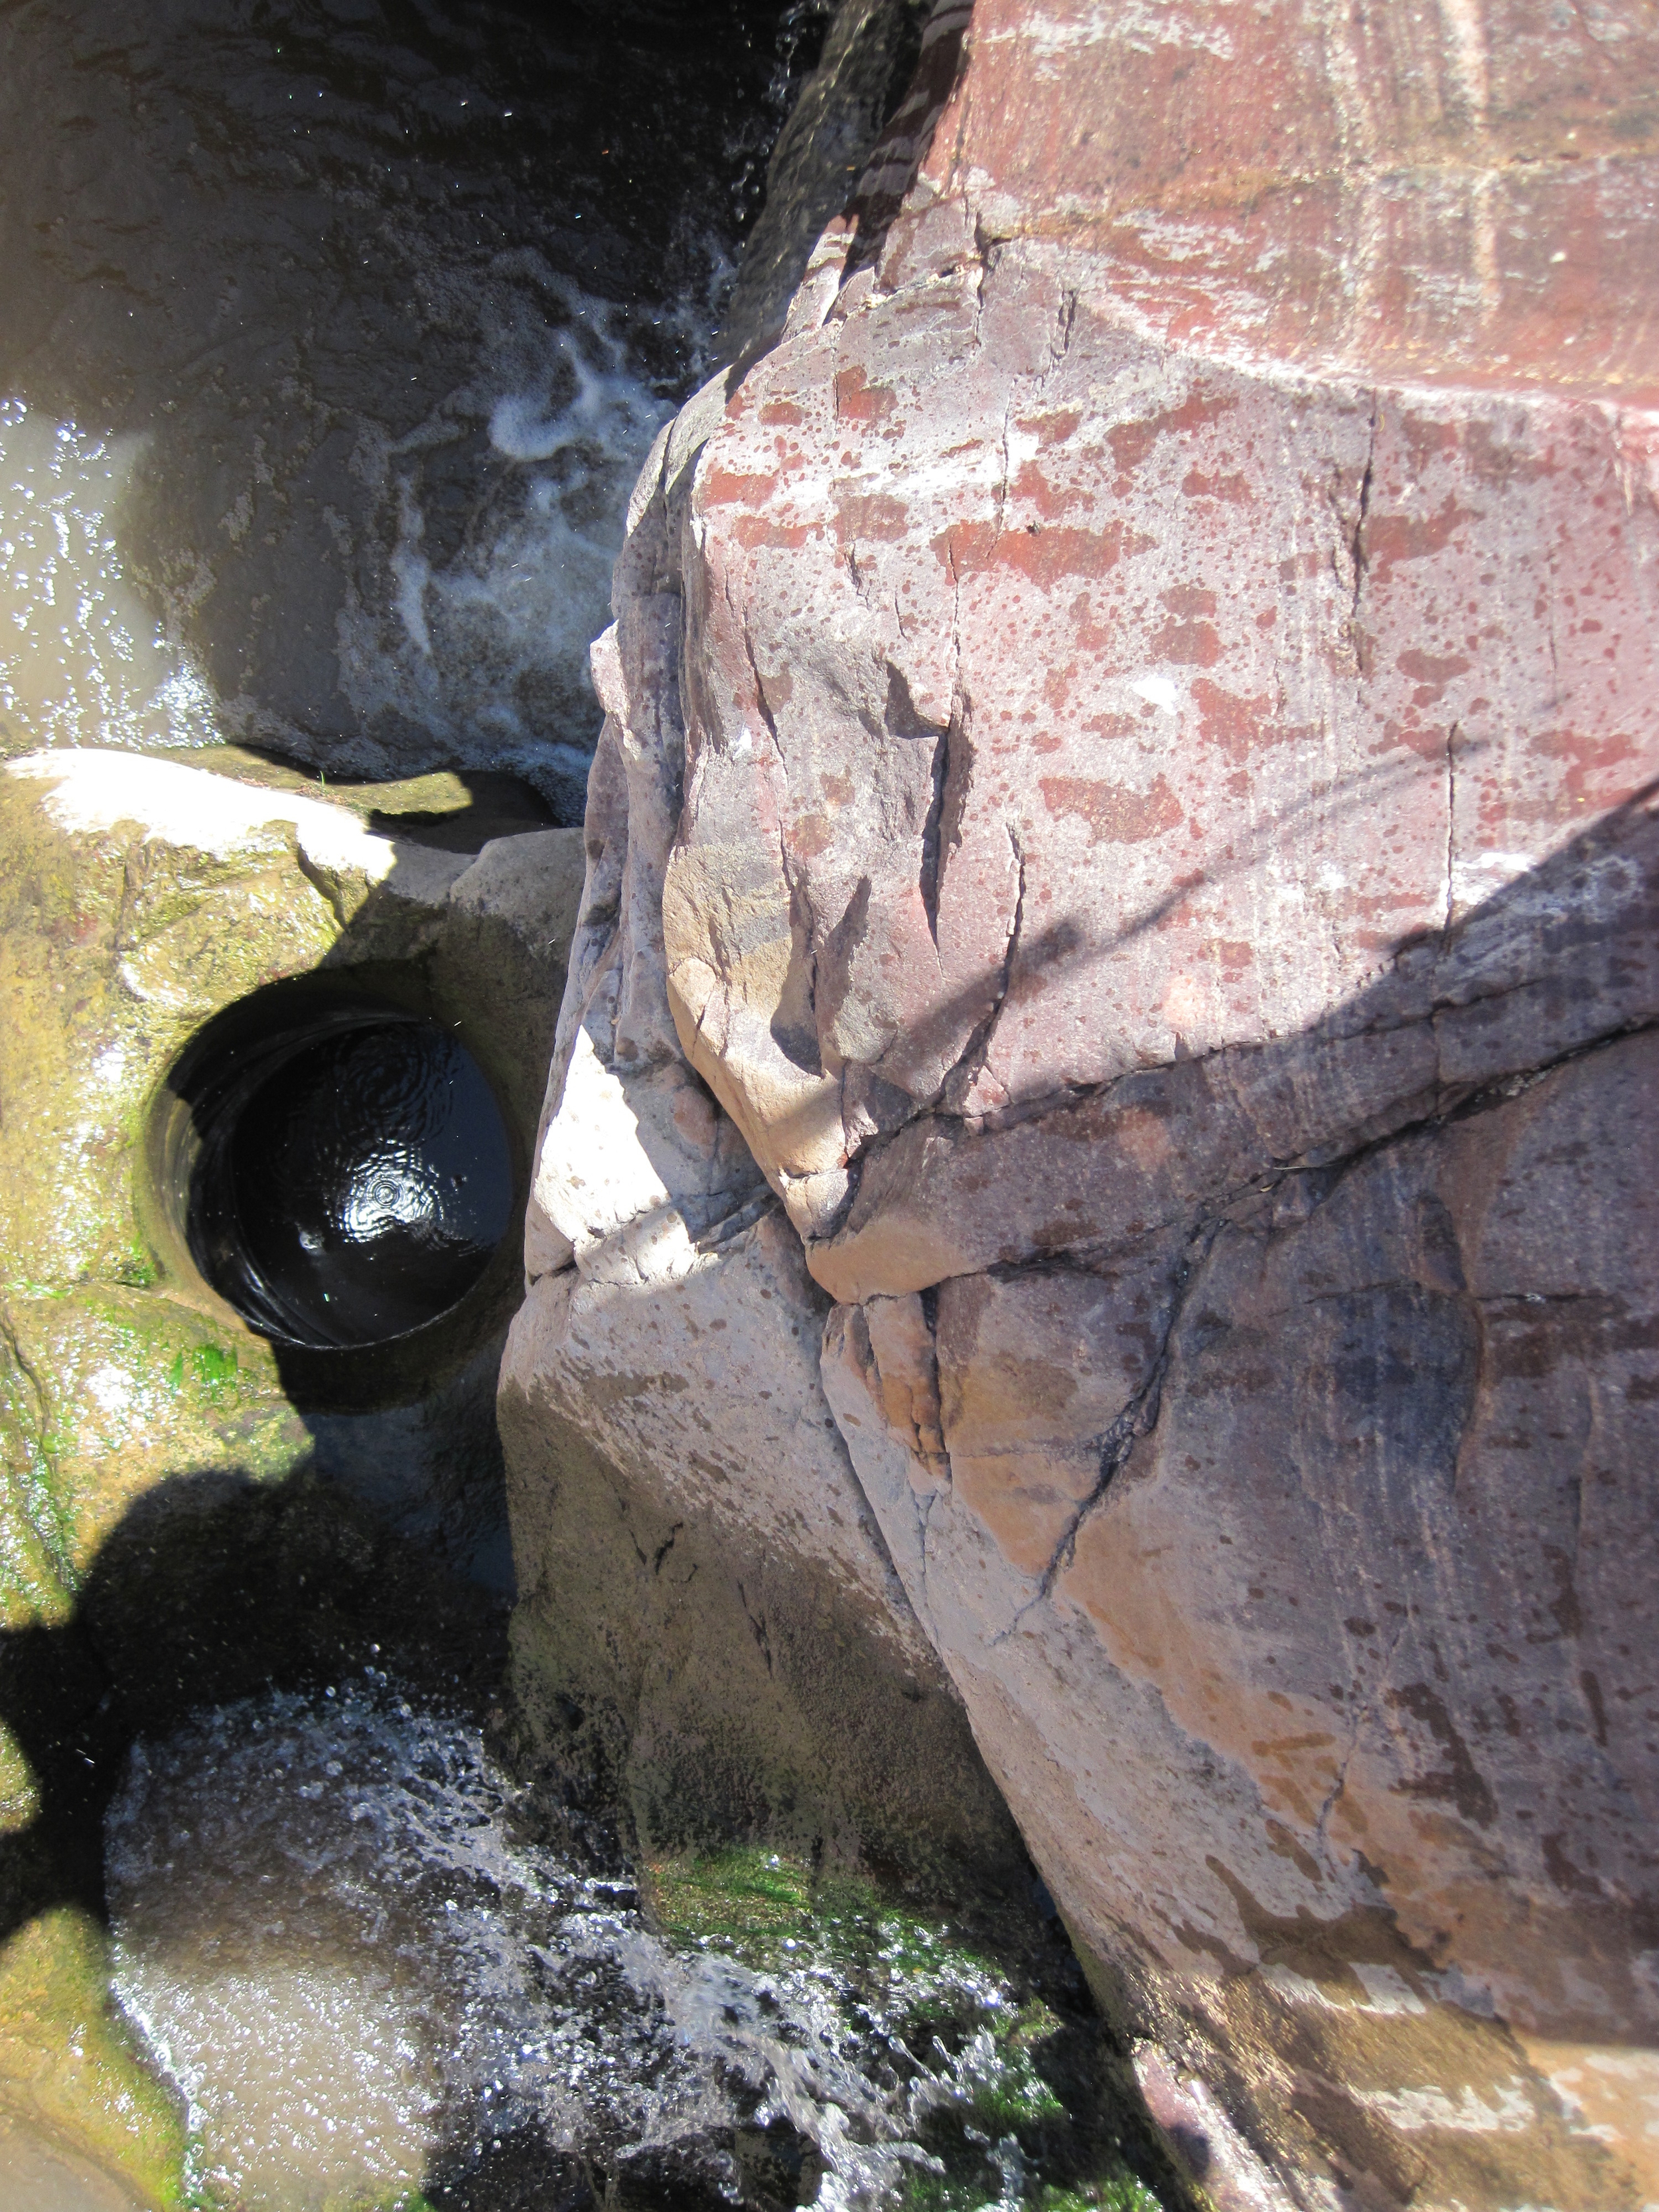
[[335, 333], [354, 1184]]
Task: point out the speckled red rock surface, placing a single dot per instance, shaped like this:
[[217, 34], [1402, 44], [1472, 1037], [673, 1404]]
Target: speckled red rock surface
[[1163, 883]]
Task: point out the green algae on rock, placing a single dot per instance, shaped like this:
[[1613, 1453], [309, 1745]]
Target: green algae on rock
[[139, 899], [70, 2064], [977, 2024]]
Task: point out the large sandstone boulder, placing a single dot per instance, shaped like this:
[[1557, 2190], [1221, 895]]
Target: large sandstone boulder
[[710, 1628], [1144, 697]]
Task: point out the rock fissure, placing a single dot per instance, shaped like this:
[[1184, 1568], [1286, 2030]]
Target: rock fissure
[[1455, 1102], [1139, 1419], [932, 836], [1451, 835], [1006, 477], [25, 1366], [1459, 1104], [1358, 554]]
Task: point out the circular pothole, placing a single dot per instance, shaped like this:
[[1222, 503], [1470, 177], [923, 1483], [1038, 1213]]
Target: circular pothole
[[344, 1176]]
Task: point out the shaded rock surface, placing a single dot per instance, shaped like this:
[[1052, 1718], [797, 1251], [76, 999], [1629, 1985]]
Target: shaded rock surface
[[869, 57], [1130, 765]]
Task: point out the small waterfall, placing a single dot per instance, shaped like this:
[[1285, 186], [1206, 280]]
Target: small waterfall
[[365, 1983]]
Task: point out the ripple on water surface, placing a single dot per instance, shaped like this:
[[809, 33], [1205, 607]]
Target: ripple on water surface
[[362, 1984], [355, 1183]]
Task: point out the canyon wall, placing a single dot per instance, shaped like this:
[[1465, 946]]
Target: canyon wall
[[1100, 1153]]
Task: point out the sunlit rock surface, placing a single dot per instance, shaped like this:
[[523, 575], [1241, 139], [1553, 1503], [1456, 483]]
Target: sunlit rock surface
[[1145, 701], [710, 1625]]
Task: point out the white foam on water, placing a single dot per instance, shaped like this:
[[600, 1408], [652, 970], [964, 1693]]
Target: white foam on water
[[483, 644], [325, 1933], [82, 660], [461, 633]]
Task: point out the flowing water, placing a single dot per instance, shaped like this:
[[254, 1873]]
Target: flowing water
[[333, 1937], [334, 334]]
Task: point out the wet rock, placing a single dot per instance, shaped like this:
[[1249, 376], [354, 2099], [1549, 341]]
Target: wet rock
[[694, 2172], [40, 2173], [144, 898], [1148, 686], [869, 57], [780, 2167]]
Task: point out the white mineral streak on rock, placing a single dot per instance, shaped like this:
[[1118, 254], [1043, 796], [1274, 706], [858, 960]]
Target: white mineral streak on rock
[[95, 787]]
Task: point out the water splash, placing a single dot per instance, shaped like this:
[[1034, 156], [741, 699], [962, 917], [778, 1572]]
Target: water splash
[[482, 642], [361, 1982]]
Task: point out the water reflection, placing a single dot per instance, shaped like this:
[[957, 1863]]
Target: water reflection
[[360, 1189], [83, 660]]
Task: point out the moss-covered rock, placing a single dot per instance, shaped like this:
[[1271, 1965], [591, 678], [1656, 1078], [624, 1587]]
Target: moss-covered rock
[[977, 2023], [70, 2064], [140, 1416]]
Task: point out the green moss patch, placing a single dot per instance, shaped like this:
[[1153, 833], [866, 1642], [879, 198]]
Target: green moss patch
[[1010, 2089]]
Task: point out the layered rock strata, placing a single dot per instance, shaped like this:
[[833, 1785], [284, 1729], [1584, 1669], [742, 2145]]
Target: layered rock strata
[[1136, 722]]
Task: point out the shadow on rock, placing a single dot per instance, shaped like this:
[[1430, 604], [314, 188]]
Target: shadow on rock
[[212, 1588]]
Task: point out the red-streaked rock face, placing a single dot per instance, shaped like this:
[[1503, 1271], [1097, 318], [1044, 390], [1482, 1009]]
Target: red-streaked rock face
[[1164, 884], [1149, 696]]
